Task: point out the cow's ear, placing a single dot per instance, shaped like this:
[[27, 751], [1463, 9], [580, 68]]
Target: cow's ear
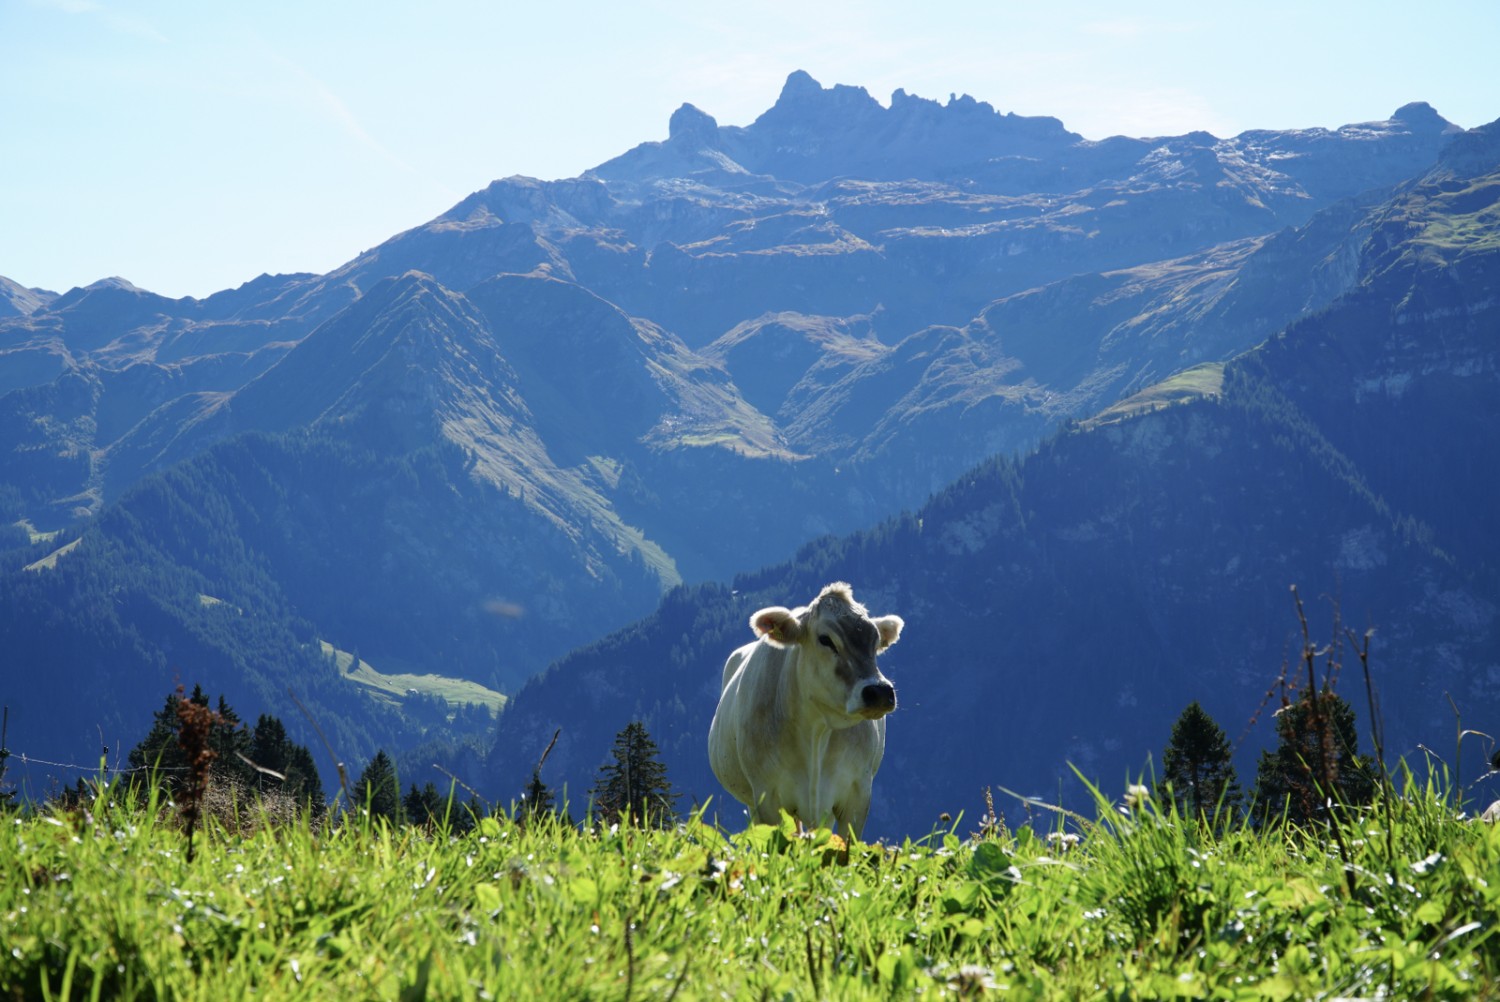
[[777, 624], [890, 630]]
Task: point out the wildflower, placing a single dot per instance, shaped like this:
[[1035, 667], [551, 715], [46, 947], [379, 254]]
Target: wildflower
[[1136, 796], [1064, 841], [972, 980]]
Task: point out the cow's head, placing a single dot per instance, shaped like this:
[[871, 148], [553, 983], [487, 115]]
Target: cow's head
[[837, 640]]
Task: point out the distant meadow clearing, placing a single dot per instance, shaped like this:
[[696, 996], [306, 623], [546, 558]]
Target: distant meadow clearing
[[102, 900]]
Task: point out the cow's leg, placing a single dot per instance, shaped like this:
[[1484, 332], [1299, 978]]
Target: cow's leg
[[851, 813], [851, 824], [766, 809]]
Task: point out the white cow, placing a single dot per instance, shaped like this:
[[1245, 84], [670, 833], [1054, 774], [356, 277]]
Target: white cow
[[800, 725]]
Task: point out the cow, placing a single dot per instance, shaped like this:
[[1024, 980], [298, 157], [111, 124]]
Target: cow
[[800, 725]]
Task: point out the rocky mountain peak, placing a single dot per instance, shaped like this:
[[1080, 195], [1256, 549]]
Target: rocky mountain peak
[[693, 125], [800, 87], [107, 287], [803, 98], [1419, 115]]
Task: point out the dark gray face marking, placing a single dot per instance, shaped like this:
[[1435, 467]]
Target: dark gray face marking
[[860, 634], [853, 638]]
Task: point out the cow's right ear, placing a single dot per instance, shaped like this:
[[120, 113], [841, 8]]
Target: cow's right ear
[[777, 624], [890, 630]]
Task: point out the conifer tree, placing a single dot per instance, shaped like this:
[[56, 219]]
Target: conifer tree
[[160, 749], [425, 806], [464, 818], [537, 799], [634, 789], [267, 746], [1316, 760], [378, 789], [1196, 768], [270, 748]]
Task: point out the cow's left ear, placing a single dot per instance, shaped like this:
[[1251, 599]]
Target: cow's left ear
[[778, 624], [890, 630]]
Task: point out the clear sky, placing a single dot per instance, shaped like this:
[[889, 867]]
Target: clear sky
[[191, 146]]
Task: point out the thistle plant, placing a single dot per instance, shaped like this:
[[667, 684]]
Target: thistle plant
[[197, 723]]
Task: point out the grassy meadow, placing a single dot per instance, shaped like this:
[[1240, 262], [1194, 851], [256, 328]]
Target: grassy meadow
[[102, 901]]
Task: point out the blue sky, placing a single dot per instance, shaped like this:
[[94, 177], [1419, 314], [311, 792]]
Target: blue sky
[[190, 147]]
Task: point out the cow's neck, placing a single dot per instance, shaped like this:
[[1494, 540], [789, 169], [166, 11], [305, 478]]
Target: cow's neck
[[815, 725]]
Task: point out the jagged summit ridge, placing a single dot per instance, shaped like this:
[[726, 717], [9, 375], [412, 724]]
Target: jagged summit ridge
[[813, 133]]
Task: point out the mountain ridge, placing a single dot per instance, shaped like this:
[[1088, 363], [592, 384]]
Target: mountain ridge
[[1138, 562], [506, 432]]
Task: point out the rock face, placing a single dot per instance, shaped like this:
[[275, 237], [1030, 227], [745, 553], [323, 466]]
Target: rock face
[[685, 363]]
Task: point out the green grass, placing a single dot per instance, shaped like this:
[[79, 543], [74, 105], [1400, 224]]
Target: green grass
[[1469, 220], [1206, 380], [394, 687], [49, 562], [102, 903]]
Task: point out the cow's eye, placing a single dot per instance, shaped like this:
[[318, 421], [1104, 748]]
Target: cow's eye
[[826, 642]]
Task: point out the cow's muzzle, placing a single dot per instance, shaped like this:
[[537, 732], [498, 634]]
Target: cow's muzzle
[[878, 699]]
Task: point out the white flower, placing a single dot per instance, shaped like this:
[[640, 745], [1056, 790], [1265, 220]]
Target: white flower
[[1136, 796]]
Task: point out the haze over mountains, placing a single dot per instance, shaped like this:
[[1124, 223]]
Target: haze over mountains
[[504, 433]]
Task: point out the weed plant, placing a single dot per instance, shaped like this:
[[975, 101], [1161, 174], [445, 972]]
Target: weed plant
[[102, 901]]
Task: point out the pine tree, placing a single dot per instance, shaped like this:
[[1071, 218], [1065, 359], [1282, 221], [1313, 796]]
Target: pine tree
[[1316, 760], [378, 789], [425, 806], [537, 799], [270, 748], [266, 746], [231, 742], [160, 748], [1196, 768], [464, 819], [634, 789]]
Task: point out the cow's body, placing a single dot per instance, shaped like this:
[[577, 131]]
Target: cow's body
[[800, 725]]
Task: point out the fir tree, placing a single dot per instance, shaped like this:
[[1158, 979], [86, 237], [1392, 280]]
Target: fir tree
[[266, 746], [466, 818], [634, 789], [271, 749], [1316, 760], [537, 799], [378, 789], [161, 748], [426, 806], [1196, 767]]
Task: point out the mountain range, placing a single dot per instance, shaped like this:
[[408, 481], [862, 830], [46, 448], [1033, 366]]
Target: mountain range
[[503, 434], [1064, 607]]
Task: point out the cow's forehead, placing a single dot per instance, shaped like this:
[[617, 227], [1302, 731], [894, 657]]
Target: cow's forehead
[[856, 627]]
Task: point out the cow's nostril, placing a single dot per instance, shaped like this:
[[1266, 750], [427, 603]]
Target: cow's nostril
[[880, 696]]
